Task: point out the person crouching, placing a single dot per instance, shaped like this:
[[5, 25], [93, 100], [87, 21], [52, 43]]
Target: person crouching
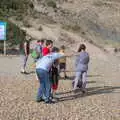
[[43, 67]]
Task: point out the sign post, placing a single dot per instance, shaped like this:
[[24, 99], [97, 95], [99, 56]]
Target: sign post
[[3, 34], [4, 47]]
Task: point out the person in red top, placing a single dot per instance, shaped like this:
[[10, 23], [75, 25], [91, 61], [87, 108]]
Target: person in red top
[[46, 50]]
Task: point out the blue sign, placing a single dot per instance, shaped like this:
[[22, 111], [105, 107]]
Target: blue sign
[[2, 30]]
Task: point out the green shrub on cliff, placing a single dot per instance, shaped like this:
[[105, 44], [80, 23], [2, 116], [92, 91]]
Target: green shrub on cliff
[[14, 34]]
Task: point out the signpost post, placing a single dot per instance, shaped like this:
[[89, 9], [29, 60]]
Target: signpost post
[[3, 34]]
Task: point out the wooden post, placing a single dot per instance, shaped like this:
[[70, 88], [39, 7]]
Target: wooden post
[[4, 47]]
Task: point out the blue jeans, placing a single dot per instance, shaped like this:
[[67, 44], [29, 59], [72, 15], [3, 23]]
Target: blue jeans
[[80, 76], [45, 87]]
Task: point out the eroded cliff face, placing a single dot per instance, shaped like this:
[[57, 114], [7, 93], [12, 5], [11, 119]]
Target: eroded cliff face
[[93, 19]]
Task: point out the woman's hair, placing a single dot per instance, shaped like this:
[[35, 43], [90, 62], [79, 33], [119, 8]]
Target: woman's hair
[[82, 47]]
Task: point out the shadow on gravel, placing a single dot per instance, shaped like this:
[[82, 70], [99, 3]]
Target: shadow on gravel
[[91, 91], [32, 72], [72, 77], [94, 75], [91, 82], [11, 52], [62, 93], [28, 73], [68, 78]]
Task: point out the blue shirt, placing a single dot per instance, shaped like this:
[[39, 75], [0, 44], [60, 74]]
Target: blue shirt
[[46, 62]]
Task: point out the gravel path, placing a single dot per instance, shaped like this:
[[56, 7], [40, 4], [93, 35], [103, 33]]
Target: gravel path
[[18, 92]]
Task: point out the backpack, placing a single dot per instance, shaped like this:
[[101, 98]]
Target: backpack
[[37, 52]]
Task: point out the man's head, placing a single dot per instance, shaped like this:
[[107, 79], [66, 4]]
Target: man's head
[[49, 43], [55, 49]]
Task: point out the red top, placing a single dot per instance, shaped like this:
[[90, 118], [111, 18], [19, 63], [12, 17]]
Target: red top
[[45, 51]]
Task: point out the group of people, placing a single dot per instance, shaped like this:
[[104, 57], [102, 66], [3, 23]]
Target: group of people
[[50, 61]]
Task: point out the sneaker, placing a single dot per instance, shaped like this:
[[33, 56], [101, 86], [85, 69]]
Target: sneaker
[[84, 91], [66, 77], [39, 100], [23, 72], [26, 72], [49, 102]]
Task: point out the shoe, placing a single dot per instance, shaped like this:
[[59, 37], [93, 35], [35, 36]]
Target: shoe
[[84, 91], [66, 77], [24, 72], [21, 72], [39, 100], [49, 102]]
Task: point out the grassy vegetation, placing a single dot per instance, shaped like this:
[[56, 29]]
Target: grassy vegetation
[[17, 8], [14, 34], [51, 3], [73, 28], [16, 5]]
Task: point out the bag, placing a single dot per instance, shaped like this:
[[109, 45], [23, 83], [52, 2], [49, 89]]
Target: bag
[[34, 54], [37, 52]]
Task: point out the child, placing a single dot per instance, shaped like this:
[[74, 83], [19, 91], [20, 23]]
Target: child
[[46, 50], [54, 77], [62, 62], [81, 69]]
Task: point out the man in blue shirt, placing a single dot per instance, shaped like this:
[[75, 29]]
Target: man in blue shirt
[[43, 67]]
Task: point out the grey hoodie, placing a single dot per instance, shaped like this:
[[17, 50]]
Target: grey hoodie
[[82, 61]]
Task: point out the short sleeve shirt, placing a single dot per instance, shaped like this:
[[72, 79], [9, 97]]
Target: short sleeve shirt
[[45, 51]]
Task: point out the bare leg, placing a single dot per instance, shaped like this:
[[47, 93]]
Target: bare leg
[[24, 61]]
